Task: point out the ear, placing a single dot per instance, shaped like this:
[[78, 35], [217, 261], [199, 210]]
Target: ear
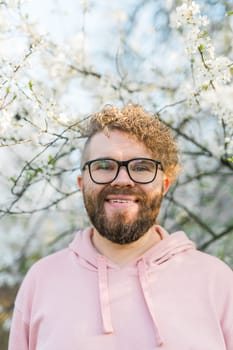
[[80, 182], [166, 184]]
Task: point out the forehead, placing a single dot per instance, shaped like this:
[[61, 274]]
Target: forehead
[[116, 144]]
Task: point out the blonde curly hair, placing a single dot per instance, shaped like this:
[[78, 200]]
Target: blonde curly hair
[[145, 127]]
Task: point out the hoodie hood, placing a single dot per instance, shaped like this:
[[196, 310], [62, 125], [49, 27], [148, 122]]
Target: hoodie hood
[[168, 247]]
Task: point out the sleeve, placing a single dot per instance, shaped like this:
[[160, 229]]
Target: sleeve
[[20, 327], [227, 309], [19, 332], [227, 323]]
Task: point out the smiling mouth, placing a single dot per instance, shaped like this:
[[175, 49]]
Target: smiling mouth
[[121, 201]]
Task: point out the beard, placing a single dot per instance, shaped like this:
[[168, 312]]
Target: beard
[[118, 228]]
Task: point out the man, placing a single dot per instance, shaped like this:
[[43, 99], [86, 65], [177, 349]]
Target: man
[[125, 283]]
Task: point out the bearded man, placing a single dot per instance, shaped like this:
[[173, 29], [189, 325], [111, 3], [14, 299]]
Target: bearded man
[[125, 283]]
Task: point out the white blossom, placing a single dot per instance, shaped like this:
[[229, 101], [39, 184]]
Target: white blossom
[[5, 121], [219, 102], [120, 16], [189, 14], [85, 4]]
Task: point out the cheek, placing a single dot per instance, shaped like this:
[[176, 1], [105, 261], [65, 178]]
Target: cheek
[[90, 188], [153, 189], [84, 181]]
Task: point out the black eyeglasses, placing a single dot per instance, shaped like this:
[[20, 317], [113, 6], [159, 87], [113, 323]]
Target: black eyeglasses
[[140, 170]]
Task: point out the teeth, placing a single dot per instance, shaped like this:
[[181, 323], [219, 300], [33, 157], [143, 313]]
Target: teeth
[[119, 201]]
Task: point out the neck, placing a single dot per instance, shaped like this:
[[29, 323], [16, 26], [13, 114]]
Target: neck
[[124, 254]]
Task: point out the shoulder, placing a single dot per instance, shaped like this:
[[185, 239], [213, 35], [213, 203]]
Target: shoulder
[[51, 260], [213, 270], [43, 269], [210, 261]]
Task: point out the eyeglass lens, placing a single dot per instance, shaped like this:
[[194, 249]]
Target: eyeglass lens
[[140, 170]]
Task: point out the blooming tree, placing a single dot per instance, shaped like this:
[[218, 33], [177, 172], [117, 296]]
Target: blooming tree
[[63, 63]]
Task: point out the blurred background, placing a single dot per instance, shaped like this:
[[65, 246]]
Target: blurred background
[[63, 60]]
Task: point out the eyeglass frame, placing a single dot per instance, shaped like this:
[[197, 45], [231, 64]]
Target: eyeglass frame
[[120, 164]]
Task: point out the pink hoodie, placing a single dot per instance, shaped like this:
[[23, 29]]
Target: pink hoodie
[[173, 298]]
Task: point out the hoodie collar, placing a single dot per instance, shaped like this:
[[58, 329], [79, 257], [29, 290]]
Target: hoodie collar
[[168, 246]]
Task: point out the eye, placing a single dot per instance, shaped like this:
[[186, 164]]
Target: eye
[[142, 166], [103, 164]]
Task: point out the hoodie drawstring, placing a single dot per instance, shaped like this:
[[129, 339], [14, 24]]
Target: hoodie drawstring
[[105, 299], [104, 295], [143, 278]]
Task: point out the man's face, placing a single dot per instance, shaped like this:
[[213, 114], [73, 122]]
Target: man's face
[[122, 211]]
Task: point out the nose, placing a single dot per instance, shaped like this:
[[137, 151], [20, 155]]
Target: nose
[[123, 178]]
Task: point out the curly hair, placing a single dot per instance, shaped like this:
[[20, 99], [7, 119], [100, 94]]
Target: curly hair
[[145, 127]]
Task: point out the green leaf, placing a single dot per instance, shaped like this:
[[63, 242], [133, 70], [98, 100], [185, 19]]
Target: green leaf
[[204, 87], [30, 85], [230, 13], [52, 160], [201, 47], [204, 32]]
